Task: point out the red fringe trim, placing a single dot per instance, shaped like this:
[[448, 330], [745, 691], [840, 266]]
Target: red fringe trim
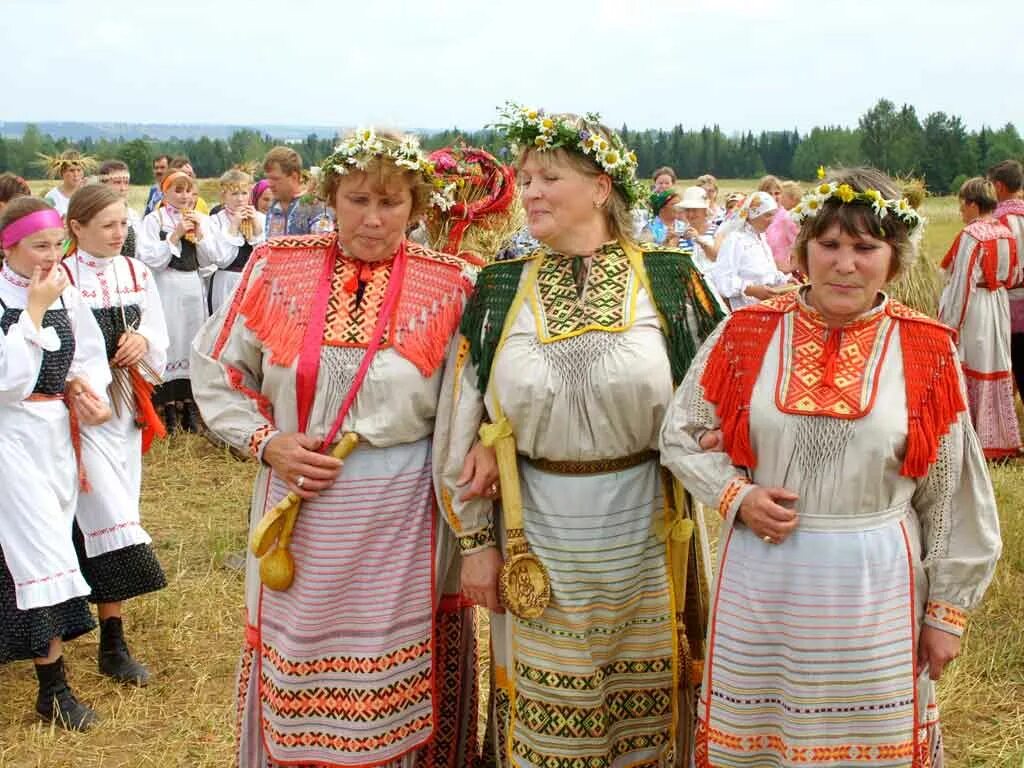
[[76, 445], [935, 396], [146, 417], [732, 370]]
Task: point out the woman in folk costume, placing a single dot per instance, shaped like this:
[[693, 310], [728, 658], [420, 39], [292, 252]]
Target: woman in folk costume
[[55, 379], [113, 548], [981, 265], [830, 429], [571, 355], [175, 243], [745, 271], [237, 226], [330, 339]]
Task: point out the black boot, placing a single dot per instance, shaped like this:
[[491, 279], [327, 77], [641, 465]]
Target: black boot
[[115, 660], [57, 703], [170, 418]]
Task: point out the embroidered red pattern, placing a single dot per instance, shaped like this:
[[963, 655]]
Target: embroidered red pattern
[[830, 372], [947, 614], [732, 490]]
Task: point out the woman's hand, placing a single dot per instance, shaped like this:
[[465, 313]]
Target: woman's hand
[[760, 512], [712, 441], [43, 290], [759, 292], [294, 458], [935, 650], [234, 219], [480, 572], [257, 228], [481, 473], [131, 348], [90, 410]]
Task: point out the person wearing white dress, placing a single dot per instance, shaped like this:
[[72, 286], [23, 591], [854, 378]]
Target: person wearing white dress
[[830, 429], [237, 227], [745, 271], [54, 379], [115, 174], [70, 166], [568, 358], [114, 549], [175, 243]]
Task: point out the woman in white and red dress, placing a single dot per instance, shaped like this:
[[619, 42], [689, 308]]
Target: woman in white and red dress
[[113, 548], [982, 264], [54, 379], [859, 531], [368, 657]]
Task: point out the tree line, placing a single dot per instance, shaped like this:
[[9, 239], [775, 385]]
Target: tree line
[[938, 149]]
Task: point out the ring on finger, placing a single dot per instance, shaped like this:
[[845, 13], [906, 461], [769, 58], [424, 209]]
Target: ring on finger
[[300, 481], [767, 539], [494, 489]]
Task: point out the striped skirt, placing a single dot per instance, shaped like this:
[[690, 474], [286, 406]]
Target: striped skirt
[[339, 670], [593, 681], [811, 653]]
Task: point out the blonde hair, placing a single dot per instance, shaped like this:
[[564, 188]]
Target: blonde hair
[[234, 178], [981, 192], [769, 183], [793, 189]]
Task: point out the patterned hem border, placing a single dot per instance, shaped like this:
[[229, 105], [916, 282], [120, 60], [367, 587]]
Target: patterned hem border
[[946, 617]]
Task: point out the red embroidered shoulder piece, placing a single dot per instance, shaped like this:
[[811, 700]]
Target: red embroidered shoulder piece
[[433, 296], [935, 398], [934, 395], [277, 301]]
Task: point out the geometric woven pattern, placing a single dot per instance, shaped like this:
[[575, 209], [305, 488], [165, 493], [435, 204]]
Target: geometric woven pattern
[[831, 372], [606, 302]]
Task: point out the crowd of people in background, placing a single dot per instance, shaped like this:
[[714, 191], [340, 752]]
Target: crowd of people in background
[[740, 343]]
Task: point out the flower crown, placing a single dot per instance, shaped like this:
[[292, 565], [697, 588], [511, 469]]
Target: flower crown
[[811, 203], [526, 127], [357, 150]]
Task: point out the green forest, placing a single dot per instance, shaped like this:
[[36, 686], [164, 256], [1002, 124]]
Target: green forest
[[938, 149]]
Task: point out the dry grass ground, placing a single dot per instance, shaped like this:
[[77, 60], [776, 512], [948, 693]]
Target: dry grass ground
[[194, 502]]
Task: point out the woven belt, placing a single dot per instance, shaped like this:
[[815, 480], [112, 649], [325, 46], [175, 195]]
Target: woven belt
[[596, 467]]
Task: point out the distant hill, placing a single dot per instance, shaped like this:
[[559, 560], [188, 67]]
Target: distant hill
[[161, 131]]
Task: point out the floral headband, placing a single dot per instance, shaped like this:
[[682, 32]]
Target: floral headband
[[532, 128], [811, 203], [357, 150]]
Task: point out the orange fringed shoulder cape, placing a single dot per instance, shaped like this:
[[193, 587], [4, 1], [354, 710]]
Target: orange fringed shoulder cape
[[275, 298], [931, 370]]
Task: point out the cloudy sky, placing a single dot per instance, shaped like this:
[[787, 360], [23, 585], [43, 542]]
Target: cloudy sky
[[744, 64]]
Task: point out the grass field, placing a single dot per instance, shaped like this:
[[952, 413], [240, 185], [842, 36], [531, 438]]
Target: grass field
[[194, 501]]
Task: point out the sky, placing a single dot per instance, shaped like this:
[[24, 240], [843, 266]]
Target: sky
[[430, 64]]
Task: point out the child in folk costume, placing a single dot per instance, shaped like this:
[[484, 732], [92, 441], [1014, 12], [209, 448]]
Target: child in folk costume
[[115, 174], [114, 550], [70, 167], [174, 243], [54, 378], [237, 226], [982, 264]]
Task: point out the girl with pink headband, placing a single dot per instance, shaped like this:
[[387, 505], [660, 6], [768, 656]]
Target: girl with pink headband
[[262, 196], [54, 377]]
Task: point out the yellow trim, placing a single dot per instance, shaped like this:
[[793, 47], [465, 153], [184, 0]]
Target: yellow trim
[[668, 514], [538, 309], [446, 497]]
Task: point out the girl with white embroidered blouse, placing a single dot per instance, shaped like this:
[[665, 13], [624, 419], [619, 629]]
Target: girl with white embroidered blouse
[[41, 586]]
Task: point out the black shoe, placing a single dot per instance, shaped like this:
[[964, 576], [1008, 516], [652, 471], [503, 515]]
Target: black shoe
[[57, 703], [170, 418], [114, 659], [193, 418]]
